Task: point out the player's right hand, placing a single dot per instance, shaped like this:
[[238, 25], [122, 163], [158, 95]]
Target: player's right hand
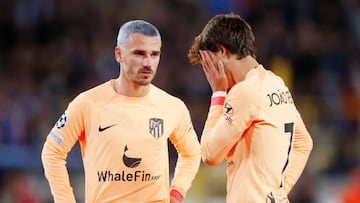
[[214, 71]]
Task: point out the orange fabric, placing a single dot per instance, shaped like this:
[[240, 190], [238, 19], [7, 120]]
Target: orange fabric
[[262, 137], [124, 148]]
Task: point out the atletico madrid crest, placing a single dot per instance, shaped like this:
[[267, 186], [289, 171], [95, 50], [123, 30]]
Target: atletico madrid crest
[[156, 127]]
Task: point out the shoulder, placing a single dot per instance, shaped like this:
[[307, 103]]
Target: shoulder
[[99, 93], [245, 94], [246, 88], [255, 82], [162, 97]]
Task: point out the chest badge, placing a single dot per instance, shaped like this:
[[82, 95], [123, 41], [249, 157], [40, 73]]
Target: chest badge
[[156, 127]]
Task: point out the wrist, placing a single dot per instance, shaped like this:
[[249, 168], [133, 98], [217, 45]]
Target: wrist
[[177, 195], [218, 98], [218, 94]]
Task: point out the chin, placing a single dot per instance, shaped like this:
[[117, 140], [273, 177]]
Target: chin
[[144, 82]]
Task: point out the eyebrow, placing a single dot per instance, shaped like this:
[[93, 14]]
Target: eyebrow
[[143, 52]]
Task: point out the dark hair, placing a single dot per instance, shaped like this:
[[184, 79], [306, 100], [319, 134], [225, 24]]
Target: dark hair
[[228, 30]]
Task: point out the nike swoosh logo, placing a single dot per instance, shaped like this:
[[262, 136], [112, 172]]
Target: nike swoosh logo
[[105, 128]]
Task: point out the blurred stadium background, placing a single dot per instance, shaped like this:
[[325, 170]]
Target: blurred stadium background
[[51, 50]]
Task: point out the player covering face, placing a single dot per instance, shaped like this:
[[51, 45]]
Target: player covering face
[[252, 121], [123, 127]]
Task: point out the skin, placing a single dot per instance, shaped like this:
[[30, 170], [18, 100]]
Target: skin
[[139, 60], [214, 70], [174, 200], [223, 70]]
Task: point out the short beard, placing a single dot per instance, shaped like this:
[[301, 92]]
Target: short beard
[[142, 82]]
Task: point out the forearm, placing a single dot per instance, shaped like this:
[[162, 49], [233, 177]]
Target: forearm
[[57, 174], [210, 148], [185, 171], [302, 146]]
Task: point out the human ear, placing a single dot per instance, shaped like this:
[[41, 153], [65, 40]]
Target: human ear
[[117, 53], [223, 52]]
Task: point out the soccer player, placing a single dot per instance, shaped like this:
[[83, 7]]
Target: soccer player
[[123, 127], [252, 121]]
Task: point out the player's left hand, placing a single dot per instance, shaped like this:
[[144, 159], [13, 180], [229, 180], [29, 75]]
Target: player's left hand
[[214, 71], [174, 200]]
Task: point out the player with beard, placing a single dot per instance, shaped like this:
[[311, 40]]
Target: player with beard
[[123, 127]]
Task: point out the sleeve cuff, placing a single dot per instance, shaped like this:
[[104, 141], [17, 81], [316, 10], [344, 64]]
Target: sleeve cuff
[[219, 94], [177, 195], [217, 100]]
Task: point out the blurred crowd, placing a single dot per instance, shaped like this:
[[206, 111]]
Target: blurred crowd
[[51, 50]]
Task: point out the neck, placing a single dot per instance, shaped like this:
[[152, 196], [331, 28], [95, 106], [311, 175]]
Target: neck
[[123, 88], [242, 67]]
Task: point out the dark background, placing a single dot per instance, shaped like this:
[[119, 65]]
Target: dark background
[[51, 50]]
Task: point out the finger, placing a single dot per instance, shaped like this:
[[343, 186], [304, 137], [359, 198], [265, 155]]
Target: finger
[[205, 62], [209, 73], [221, 67], [202, 57], [211, 57]]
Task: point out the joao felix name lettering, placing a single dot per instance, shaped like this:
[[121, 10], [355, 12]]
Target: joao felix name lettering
[[280, 97]]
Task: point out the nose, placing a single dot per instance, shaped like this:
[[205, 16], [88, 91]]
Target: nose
[[147, 61]]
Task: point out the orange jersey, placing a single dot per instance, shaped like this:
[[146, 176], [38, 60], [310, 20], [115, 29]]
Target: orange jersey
[[261, 135], [124, 146]]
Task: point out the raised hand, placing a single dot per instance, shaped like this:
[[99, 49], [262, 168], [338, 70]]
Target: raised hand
[[214, 71]]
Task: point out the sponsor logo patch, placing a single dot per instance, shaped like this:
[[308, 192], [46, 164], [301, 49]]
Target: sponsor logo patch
[[57, 138], [130, 162], [131, 175], [228, 108]]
